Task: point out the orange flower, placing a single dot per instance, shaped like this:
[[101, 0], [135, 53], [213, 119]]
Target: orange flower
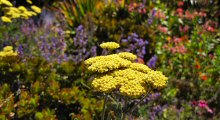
[[139, 60], [168, 38], [197, 64], [204, 77]]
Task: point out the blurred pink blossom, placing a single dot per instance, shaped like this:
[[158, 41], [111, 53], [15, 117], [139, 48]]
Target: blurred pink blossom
[[163, 29]]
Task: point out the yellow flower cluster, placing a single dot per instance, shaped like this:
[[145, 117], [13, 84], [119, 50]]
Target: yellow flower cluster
[[140, 67], [110, 45], [132, 79], [127, 55], [133, 89], [157, 79], [129, 75], [11, 12], [109, 81], [8, 51], [5, 2], [107, 63]]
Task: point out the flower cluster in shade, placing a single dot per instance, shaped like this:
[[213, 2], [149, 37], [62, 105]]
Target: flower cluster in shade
[[134, 44], [11, 12], [8, 51], [81, 48], [119, 71]]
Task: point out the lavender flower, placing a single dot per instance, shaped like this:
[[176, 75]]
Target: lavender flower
[[52, 49], [20, 50], [135, 45], [82, 49], [152, 62], [157, 110], [151, 16]]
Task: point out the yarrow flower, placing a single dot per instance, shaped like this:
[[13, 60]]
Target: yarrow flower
[[6, 19], [117, 72], [157, 79], [140, 67], [8, 51], [127, 55], [109, 81], [6, 2], [36, 9], [110, 45], [10, 12], [107, 63]]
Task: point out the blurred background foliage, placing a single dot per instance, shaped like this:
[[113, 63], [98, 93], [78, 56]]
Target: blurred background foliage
[[48, 79]]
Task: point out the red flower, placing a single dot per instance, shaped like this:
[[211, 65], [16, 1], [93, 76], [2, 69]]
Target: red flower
[[210, 29], [194, 103], [180, 3], [204, 77], [179, 10], [198, 65]]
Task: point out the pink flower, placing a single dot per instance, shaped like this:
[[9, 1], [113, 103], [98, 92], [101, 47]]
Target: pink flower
[[180, 3], [210, 29], [160, 15], [188, 15], [202, 14], [202, 103], [163, 29], [179, 10]]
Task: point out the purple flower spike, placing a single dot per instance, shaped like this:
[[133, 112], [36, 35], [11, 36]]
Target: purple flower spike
[[152, 62]]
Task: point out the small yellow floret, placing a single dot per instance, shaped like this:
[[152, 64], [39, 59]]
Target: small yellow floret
[[104, 84], [107, 63], [5, 19], [133, 89], [140, 67], [110, 45], [8, 51], [6, 2], [29, 1], [157, 79], [8, 48], [36, 9], [129, 74], [22, 8], [127, 55]]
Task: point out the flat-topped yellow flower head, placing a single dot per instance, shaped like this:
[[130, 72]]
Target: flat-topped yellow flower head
[[133, 89], [140, 67], [119, 73], [107, 63], [127, 55], [105, 84], [129, 74], [6, 2], [110, 45], [36, 9], [8, 48], [157, 79], [6, 19], [8, 51]]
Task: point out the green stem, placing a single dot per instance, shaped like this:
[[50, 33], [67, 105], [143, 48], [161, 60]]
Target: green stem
[[104, 106], [124, 109], [136, 105]]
